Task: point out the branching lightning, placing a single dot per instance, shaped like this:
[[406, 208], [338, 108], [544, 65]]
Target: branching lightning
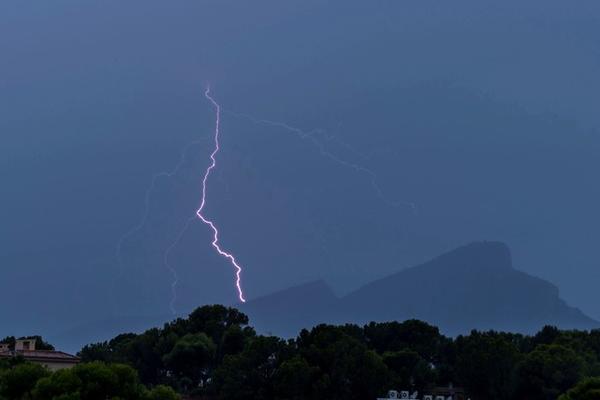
[[198, 215], [310, 136], [314, 137], [171, 269], [146, 214]]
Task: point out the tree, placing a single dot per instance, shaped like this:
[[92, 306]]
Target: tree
[[18, 382], [191, 357], [484, 364], [63, 384], [412, 334], [350, 369], [150, 352], [587, 389], [234, 340], [214, 321], [162, 392], [115, 350], [295, 379], [409, 370], [91, 381], [250, 374], [547, 335], [95, 352], [547, 372], [142, 353]]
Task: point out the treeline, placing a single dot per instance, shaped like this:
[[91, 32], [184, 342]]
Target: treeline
[[215, 353]]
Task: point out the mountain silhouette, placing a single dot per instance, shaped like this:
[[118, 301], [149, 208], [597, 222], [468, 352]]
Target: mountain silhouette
[[286, 312], [471, 287]]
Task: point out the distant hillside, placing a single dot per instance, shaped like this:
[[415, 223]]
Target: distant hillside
[[286, 312], [472, 287]]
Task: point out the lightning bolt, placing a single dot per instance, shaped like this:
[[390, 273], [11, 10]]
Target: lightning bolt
[[311, 137], [198, 215], [171, 269], [200, 211]]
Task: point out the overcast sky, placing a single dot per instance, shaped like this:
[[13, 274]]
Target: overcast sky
[[481, 113]]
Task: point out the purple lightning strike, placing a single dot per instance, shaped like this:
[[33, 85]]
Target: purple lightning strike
[[199, 212], [312, 136]]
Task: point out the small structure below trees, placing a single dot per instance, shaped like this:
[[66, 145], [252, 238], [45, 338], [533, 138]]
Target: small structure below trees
[[438, 393]]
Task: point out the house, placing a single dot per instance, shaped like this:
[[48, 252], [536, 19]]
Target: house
[[51, 359]]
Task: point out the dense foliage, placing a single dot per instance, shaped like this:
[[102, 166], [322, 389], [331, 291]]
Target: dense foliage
[[20, 380], [214, 353]]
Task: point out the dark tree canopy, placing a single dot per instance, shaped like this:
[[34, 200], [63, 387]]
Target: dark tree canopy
[[587, 389], [215, 354]]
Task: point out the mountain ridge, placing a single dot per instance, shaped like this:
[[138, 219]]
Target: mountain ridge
[[471, 287]]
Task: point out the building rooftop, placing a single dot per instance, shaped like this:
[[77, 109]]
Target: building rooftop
[[40, 355]]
